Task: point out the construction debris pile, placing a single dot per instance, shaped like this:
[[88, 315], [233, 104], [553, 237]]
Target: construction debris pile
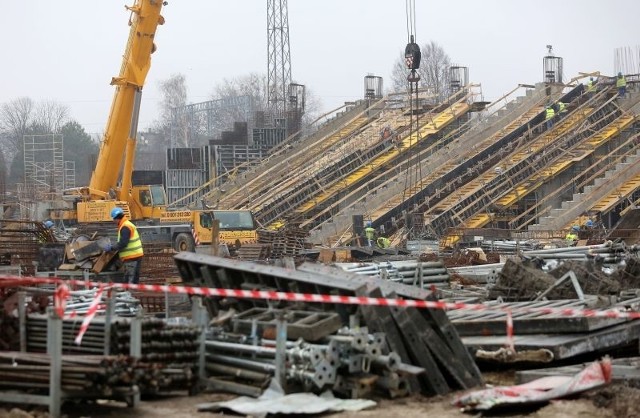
[[83, 253], [526, 280], [421, 338]]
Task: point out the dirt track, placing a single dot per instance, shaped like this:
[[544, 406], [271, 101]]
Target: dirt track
[[610, 402]]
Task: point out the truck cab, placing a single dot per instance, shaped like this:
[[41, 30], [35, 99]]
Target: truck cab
[[236, 227]]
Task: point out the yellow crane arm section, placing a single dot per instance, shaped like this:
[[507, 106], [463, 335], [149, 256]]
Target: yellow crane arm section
[[120, 133]]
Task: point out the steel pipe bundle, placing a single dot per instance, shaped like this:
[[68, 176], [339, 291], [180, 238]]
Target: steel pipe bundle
[[124, 303], [482, 273], [99, 376], [172, 349], [607, 252], [408, 272], [93, 341], [509, 246]]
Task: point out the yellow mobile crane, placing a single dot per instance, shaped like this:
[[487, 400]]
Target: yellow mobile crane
[[108, 189]]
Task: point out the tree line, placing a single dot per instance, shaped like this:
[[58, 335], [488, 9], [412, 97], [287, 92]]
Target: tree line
[[22, 117]]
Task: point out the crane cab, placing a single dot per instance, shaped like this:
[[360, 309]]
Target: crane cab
[[144, 202], [147, 201]]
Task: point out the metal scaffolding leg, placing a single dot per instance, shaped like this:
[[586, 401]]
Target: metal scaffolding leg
[[107, 324], [201, 318], [135, 351], [54, 349], [22, 320], [281, 350]]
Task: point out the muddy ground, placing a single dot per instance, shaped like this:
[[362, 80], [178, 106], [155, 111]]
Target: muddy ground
[[609, 402]]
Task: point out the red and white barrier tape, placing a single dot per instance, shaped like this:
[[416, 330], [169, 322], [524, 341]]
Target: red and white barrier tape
[[60, 299], [93, 308], [318, 298], [510, 343]]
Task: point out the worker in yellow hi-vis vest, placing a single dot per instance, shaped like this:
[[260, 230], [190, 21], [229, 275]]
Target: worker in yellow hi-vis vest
[[591, 86], [383, 242], [549, 115], [369, 233], [561, 109], [621, 84], [129, 246], [572, 236]]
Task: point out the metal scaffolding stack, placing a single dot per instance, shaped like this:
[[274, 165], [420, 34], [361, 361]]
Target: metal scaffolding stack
[[44, 165]]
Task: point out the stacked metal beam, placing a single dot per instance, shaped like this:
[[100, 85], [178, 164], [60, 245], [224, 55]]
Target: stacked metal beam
[[289, 241], [254, 252]]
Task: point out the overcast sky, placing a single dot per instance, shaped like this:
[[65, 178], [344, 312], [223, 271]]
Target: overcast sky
[[68, 50]]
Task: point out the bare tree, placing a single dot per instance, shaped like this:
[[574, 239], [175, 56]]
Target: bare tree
[[252, 87], [4, 171], [50, 116], [233, 100], [313, 105], [434, 71], [16, 119], [174, 96], [255, 86], [399, 74]]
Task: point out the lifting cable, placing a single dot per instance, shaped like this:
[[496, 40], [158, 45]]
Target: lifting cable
[[412, 56]]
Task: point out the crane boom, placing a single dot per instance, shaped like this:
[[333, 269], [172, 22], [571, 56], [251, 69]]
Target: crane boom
[[120, 133], [111, 185]]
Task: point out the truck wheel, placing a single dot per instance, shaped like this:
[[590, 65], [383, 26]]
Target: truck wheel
[[184, 242]]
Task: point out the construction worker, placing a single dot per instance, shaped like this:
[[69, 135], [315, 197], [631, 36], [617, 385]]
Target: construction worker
[[572, 235], [129, 246], [45, 237], [383, 242], [562, 109], [591, 88], [621, 84], [145, 197], [369, 233], [549, 115]]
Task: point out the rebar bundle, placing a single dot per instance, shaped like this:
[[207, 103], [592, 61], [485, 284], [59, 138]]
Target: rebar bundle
[[171, 349], [99, 376]]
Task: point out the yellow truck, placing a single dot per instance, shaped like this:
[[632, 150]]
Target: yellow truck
[[236, 227]]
